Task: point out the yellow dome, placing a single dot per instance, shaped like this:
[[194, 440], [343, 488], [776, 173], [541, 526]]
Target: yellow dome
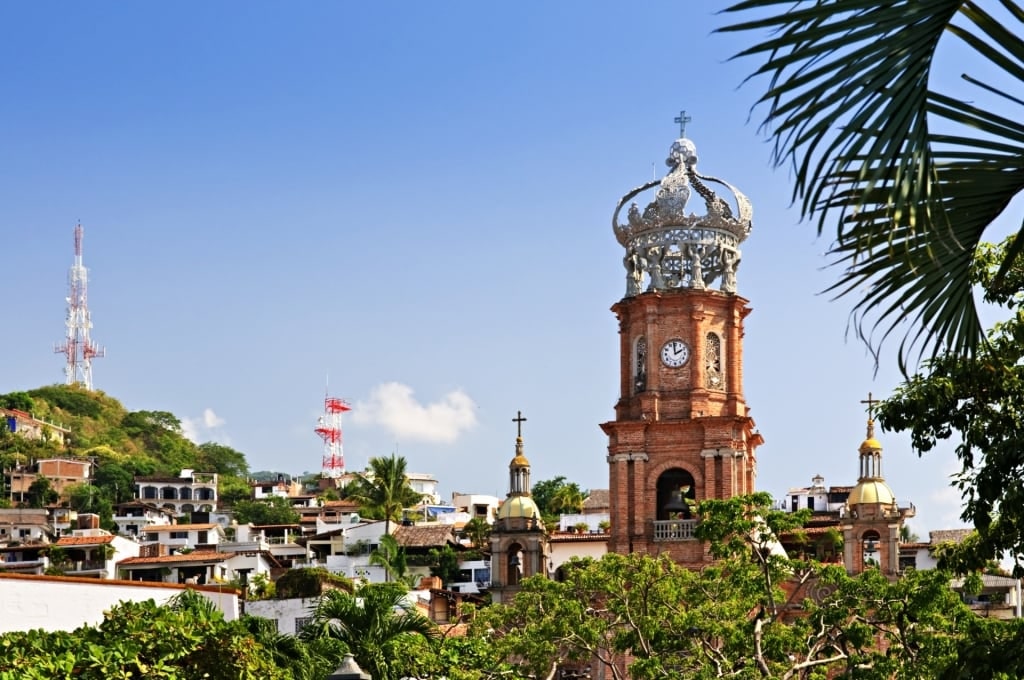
[[519, 507], [871, 491], [519, 462], [870, 444]]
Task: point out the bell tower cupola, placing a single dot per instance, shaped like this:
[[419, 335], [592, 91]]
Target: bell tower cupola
[[519, 540], [872, 519], [682, 430]]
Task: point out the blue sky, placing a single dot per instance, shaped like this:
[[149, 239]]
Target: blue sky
[[415, 200]]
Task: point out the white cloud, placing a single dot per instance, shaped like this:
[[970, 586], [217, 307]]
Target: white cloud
[[211, 419], [205, 428], [393, 406]]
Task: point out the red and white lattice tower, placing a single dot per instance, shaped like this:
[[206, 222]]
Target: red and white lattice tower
[[329, 429], [78, 347]]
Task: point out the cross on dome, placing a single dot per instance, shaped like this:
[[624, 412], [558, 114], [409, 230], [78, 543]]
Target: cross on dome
[[682, 119], [519, 420]]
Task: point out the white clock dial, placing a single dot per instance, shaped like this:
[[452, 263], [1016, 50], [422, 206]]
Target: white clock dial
[[675, 353]]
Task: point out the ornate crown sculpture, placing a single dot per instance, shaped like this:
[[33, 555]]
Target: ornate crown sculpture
[[668, 249]]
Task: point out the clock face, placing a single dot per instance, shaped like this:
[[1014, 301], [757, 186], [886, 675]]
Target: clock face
[[674, 353]]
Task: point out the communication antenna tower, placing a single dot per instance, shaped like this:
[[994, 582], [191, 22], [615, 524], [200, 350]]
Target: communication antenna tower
[[78, 347], [329, 429]]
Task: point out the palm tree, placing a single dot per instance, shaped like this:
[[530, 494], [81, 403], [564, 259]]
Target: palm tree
[[392, 557], [370, 623], [568, 499], [478, 531], [914, 173], [384, 488]]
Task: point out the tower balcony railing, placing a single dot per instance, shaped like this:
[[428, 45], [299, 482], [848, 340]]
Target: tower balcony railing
[[675, 529]]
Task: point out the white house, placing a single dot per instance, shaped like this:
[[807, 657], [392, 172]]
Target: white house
[[563, 547], [346, 550], [190, 491], [91, 552], [202, 567], [131, 518], [65, 603], [24, 525], [178, 536]]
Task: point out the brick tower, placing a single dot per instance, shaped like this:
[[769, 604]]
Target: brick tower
[[872, 519], [682, 430]]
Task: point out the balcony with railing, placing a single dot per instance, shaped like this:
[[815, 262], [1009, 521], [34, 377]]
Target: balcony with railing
[[675, 530]]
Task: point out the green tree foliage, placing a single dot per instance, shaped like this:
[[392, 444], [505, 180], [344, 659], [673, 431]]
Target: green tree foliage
[[116, 480], [556, 496], [568, 499], [754, 613], [372, 623], [977, 402], [41, 493], [224, 460], [445, 564], [384, 489], [310, 582], [392, 558], [187, 640], [87, 498], [17, 400], [543, 491], [478, 532], [273, 510], [231, 490], [909, 176], [74, 400]]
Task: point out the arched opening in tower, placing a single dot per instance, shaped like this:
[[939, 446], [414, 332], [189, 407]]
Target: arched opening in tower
[[676, 491]]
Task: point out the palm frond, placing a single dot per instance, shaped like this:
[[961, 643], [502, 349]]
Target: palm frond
[[851, 109]]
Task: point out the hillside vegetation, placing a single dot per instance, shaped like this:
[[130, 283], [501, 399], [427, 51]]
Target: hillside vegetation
[[123, 443]]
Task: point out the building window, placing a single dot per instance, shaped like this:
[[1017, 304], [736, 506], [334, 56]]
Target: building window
[[301, 622], [713, 362], [640, 365]]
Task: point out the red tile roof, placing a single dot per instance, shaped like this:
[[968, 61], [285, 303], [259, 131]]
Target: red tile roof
[[179, 527], [84, 540], [194, 556]]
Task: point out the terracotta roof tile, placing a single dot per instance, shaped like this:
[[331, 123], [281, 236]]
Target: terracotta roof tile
[[578, 538], [194, 556], [84, 540], [180, 527]]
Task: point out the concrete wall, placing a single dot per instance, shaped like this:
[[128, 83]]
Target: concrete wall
[[284, 611], [66, 603]]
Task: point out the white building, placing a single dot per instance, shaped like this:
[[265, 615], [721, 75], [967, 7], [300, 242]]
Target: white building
[[191, 536], [201, 567], [817, 497], [346, 550], [91, 552], [60, 603], [132, 518], [475, 505], [190, 491], [24, 525]]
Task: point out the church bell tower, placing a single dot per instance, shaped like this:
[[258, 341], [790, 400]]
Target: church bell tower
[[682, 431]]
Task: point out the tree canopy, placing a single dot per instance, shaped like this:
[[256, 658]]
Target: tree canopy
[[977, 403], [371, 623], [754, 613], [384, 489]]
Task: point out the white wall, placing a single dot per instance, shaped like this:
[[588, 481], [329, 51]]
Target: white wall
[[59, 603], [283, 611], [563, 551]]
